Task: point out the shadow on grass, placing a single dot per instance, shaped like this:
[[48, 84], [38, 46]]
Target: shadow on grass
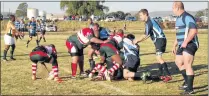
[[87, 53], [173, 69], [203, 88]]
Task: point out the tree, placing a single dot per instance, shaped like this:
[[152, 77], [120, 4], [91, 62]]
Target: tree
[[22, 10], [203, 12], [128, 14], [199, 14], [83, 7], [121, 15]]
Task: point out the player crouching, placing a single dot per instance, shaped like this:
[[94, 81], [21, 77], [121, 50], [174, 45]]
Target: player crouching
[[109, 50], [45, 54], [132, 60]]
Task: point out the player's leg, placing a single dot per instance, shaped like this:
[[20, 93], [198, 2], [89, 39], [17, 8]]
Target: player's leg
[[54, 74], [73, 50], [29, 39], [23, 34], [44, 31], [97, 67], [5, 52], [91, 60], [40, 37], [117, 63], [125, 73], [81, 66], [8, 40], [188, 60], [34, 58], [12, 52], [37, 43], [34, 68], [180, 64], [160, 45], [188, 56]]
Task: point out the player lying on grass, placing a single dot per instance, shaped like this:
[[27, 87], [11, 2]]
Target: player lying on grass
[[109, 50], [45, 54], [76, 43], [132, 60]]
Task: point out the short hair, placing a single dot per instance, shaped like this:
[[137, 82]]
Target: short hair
[[179, 4], [96, 24], [144, 11], [120, 31], [130, 36], [11, 17]]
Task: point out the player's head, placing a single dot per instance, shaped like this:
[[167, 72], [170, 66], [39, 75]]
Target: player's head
[[12, 18], [96, 27], [52, 45], [32, 19], [120, 32], [130, 37], [143, 14], [177, 7], [90, 21]]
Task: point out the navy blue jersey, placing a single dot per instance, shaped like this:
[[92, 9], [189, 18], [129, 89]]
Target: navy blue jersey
[[17, 24], [129, 48], [153, 30], [103, 33], [33, 25]]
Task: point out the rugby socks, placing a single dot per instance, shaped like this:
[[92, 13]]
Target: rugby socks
[[165, 67], [55, 70], [160, 69], [5, 54], [92, 64], [12, 51], [98, 66], [115, 67], [119, 73], [81, 64], [40, 39], [74, 69], [190, 79], [183, 72], [103, 69], [44, 39], [34, 68], [37, 42], [28, 42]]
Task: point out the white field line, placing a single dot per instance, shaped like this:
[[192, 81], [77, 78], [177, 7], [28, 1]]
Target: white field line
[[100, 83], [107, 85]]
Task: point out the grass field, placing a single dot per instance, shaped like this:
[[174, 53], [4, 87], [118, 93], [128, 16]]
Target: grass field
[[16, 75]]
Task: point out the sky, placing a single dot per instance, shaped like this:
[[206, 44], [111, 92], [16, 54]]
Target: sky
[[53, 7]]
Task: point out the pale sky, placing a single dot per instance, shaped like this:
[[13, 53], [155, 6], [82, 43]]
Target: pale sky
[[53, 7]]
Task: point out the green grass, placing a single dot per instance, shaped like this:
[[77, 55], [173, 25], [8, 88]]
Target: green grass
[[16, 75]]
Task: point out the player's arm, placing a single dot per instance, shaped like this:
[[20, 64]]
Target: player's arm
[[13, 27], [192, 32], [174, 46], [96, 40], [148, 29], [142, 38]]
